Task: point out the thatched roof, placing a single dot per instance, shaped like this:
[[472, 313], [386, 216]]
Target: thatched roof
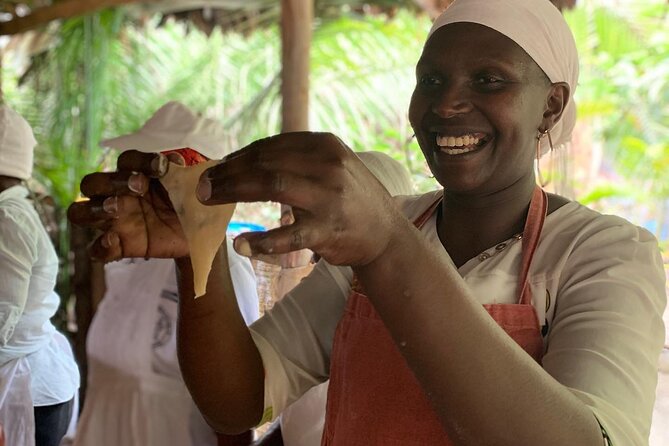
[[21, 15]]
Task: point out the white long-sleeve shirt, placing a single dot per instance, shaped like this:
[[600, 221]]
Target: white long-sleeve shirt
[[28, 269], [598, 288], [136, 395]]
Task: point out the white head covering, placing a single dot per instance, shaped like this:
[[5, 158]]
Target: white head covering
[[174, 126], [393, 175], [16, 145], [538, 27]]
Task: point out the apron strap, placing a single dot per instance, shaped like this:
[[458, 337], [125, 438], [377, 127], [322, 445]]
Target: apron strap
[[425, 216], [531, 234]]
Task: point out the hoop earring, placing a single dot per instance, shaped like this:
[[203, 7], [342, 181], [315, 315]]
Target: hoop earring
[[543, 133]]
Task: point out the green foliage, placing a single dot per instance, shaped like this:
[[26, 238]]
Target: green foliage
[[624, 92], [361, 82], [105, 75], [605, 191], [623, 96]]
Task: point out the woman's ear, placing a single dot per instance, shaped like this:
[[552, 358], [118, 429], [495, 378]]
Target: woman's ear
[[556, 102]]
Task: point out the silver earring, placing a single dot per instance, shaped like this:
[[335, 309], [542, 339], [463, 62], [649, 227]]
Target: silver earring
[[541, 135]]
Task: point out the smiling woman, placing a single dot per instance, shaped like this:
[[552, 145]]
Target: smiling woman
[[439, 327], [498, 99], [478, 119]]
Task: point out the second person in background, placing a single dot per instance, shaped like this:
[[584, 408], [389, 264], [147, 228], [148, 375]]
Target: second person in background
[[136, 395]]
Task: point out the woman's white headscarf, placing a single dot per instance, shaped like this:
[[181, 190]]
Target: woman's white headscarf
[[538, 28], [393, 175], [16, 145]]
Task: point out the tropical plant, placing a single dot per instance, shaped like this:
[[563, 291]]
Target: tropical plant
[[104, 75], [623, 95]]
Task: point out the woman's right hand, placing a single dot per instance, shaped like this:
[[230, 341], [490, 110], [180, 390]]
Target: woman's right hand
[[132, 209]]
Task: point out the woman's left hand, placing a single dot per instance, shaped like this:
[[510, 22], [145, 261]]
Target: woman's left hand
[[342, 212]]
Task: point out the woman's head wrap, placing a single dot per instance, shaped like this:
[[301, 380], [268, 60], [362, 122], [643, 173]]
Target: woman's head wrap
[[16, 145], [538, 27], [393, 175], [175, 126]]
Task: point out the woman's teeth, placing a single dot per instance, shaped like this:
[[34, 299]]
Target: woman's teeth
[[453, 145]]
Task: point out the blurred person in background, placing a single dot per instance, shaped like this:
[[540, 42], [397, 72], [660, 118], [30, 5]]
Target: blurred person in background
[[39, 378], [136, 396]]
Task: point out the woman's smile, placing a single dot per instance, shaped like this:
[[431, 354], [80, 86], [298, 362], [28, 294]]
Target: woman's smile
[[455, 144]]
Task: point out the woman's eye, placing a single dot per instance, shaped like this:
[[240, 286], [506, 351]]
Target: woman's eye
[[428, 80], [488, 80]]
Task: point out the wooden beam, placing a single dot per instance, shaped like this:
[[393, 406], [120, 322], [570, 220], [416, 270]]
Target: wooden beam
[[2, 96], [62, 10], [88, 286], [296, 24], [564, 4]]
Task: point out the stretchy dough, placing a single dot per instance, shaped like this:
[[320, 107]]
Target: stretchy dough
[[204, 226]]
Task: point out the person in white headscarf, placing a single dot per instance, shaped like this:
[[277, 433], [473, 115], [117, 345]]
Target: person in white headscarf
[[38, 376], [135, 394], [488, 312]]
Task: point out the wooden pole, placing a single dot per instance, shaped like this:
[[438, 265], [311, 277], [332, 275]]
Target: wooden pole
[[62, 10], [82, 289], [2, 96], [296, 24]]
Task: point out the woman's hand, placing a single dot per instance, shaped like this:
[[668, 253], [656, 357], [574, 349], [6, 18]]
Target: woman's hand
[[341, 210], [132, 208]]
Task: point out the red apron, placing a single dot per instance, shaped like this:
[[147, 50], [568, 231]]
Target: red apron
[[374, 398]]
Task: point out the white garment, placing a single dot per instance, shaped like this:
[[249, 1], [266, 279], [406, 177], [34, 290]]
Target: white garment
[[136, 396], [175, 126], [302, 422], [598, 287], [36, 363], [17, 415], [28, 269], [390, 172]]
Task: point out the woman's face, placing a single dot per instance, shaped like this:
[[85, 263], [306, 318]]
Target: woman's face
[[477, 107]]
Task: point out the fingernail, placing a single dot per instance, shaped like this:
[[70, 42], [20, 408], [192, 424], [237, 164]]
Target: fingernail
[[159, 164], [203, 189], [176, 159], [136, 183], [242, 247], [110, 205]]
